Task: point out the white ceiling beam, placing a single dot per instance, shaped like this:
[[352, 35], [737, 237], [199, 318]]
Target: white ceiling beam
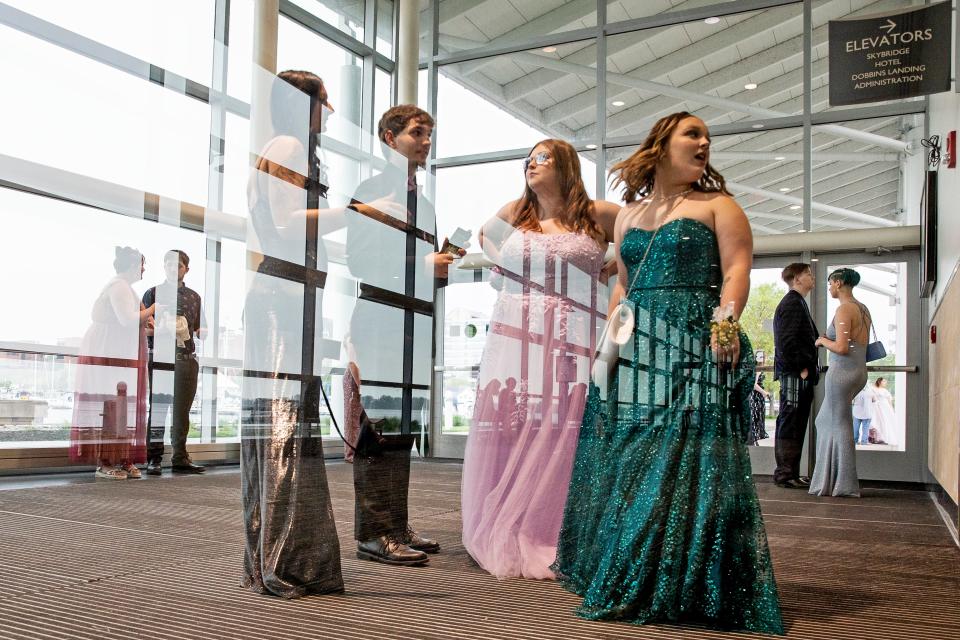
[[782, 197], [783, 156], [797, 219]]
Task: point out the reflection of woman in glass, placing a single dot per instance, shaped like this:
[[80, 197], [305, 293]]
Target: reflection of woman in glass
[[662, 522], [758, 405], [884, 418], [835, 473], [291, 539], [110, 404], [549, 247]]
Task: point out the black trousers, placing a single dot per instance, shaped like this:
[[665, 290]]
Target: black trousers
[[381, 482], [185, 375], [796, 397]]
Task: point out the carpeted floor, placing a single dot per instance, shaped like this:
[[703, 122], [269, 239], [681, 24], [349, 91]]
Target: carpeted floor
[[159, 558]]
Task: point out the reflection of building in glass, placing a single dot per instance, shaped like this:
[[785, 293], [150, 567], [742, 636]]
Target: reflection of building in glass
[[466, 335]]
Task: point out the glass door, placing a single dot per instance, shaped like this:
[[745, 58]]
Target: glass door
[[892, 436]]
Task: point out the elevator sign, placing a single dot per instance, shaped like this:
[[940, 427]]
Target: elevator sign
[[890, 56]]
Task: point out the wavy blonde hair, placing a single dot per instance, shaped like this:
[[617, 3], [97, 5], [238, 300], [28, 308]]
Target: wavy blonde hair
[[636, 173], [578, 215]]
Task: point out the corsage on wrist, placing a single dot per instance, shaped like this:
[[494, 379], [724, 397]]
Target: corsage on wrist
[[724, 329]]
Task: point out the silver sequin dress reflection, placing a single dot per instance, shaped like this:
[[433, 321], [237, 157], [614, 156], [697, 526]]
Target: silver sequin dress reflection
[[291, 545]]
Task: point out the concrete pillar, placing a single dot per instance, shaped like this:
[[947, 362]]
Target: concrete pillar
[[408, 51]]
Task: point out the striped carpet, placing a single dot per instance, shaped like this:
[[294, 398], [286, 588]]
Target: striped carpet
[[158, 558]]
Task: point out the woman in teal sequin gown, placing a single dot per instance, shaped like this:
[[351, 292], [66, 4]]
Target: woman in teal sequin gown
[[662, 523]]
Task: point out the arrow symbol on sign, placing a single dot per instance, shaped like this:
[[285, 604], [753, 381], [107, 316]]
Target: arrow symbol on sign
[[890, 26]]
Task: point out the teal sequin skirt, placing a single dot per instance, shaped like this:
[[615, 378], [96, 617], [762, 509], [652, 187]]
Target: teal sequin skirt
[[662, 522]]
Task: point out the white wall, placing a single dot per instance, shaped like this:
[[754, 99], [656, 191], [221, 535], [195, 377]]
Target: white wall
[[945, 117]]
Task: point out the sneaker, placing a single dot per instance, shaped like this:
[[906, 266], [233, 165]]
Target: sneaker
[[132, 471], [110, 473]]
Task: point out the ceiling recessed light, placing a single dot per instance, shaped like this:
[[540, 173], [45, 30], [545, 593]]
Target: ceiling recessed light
[[814, 259], [780, 157], [618, 103], [750, 86], [784, 189], [712, 20], [757, 126], [549, 49], [794, 207], [591, 146]]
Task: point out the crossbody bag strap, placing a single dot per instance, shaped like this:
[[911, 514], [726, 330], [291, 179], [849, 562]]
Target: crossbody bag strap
[[650, 244]]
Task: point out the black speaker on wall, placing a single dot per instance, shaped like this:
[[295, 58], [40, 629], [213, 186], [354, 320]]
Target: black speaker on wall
[[928, 236]]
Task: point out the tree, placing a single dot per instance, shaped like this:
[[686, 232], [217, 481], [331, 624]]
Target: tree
[[757, 317]]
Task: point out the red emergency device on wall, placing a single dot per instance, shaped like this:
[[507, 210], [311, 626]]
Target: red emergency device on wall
[[952, 150]]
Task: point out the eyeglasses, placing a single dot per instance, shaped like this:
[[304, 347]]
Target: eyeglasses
[[541, 158]]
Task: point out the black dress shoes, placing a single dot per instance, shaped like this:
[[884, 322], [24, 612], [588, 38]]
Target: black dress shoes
[[416, 541], [188, 467], [803, 482], [789, 484], [153, 468], [389, 550]]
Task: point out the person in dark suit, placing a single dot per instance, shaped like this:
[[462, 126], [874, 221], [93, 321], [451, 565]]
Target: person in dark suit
[[795, 366], [391, 248]]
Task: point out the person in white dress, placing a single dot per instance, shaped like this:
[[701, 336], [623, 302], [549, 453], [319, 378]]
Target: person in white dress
[[883, 427]]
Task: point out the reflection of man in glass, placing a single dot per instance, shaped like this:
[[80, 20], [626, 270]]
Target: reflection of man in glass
[[795, 366], [385, 250], [178, 322]]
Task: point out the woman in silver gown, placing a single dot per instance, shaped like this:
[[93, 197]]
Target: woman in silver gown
[[835, 473]]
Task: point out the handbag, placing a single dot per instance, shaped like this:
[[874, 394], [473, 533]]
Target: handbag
[[619, 326], [875, 349]]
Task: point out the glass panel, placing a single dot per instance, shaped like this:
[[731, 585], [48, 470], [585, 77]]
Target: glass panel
[[619, 10], [376, 341], [385, 27], [468, 309], [884, 404], [744, 67], [420, 418], [232, 297], [467, 25], [382, 98], [228, 405], [300, 48], [422, 348], [82, 246], [176, 35], [236, 165], [345, 15], [763, 171], [240, 52], [823, 12], [36, 399], [766, 291], [101, 122], [860, 180], [383, 402], [524, 97]]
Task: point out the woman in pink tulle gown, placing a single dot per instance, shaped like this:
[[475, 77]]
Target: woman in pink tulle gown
[[549, 250]]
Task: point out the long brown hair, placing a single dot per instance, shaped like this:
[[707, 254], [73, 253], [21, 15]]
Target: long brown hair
[[637, 172], [578, 214]]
